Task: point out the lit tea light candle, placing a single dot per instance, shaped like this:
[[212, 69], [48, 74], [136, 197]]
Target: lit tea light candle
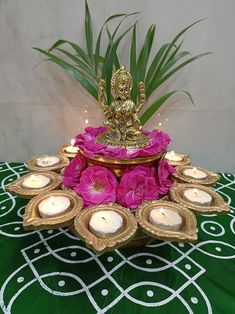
[[35, 181], [195, 173], [197, 196], [47, 161], [53, 205], [105, 223], [72, 149], [165, 218], [172, 156]]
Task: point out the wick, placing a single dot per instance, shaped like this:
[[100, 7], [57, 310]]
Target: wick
[[103, 218]]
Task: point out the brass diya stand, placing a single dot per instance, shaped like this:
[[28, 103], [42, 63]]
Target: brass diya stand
[[62, 151], [186, 160], [100, 245], [216, 206], [210, 179], [16, 187], [188, 230], [63, 162], [131, 229], [118, 165], [33, 220]]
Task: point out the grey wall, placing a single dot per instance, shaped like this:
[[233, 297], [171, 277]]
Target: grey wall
[[41, 107]]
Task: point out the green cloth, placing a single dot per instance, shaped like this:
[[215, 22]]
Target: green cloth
[[52, 271]]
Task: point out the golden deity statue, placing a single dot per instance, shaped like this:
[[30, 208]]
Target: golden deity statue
[[121, 116]]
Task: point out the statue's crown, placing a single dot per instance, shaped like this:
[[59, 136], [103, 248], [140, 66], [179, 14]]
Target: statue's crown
[[120, 74]]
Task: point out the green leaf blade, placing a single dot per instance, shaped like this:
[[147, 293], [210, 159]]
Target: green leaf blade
[[78, 75], [154, 64], [145, 53], [89, 33], [158, 103], [155, 84], [133, 65]]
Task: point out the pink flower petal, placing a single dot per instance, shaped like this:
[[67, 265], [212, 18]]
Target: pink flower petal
[[97, 186]]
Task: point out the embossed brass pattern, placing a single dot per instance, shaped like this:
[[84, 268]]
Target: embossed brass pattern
[[118, 165], [17, 189], [188, 231], [101, 245], [218, 205], [32, 219]]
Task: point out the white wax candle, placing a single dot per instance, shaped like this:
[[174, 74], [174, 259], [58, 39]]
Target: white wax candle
[[165, 218], [72, 149], [197, 196], [35, 181], [105, 223], [172, 156], [195, 173], [53, 205], [47, 161]]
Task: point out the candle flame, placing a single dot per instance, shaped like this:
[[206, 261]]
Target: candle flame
[[162, 211], [194, 169], [195, 191], [72, 142]]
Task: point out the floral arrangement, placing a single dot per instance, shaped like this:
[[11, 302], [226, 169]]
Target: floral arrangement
[[87, 142], [98, 185]]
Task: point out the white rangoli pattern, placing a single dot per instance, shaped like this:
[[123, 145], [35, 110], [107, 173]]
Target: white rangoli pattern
[[60, 247]]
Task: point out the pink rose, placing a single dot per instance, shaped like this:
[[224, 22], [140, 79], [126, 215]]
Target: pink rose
[[87, 141], [163, 180], [158, 143], [97, 186], [137, 184], [73, 171]]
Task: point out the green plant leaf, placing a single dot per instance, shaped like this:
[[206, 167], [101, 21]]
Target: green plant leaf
[[177, 48], [78, 75], [133, 65], [116, 61], [88, 32], [79, 62], [145, 53], [158, 103], [171, 63], [155, 63], [155, 84], [98, 42], [126, 16], [76, 48], [111, 41], [175, 40], [109, 61]]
